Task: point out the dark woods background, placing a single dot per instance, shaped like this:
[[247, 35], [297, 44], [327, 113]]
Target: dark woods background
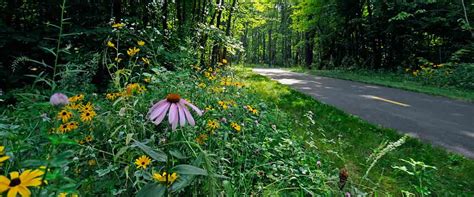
[[368, 34], [202, 26]]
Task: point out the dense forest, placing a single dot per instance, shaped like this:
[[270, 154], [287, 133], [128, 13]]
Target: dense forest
[[156, 97]]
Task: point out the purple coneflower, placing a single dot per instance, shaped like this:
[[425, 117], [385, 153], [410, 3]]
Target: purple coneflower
[[58, 99], [178, 112]]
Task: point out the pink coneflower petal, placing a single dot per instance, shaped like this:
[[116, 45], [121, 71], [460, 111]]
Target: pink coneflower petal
[[189, 117], [172, 116], [182, 117], [156, 105], [161, 117], [159, 110], [198, 111]]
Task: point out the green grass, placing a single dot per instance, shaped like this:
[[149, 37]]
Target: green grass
[[394, 80], [347, 141]]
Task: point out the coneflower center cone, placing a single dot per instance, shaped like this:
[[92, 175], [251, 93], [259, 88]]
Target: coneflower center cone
[[173, 98], [15, 182]]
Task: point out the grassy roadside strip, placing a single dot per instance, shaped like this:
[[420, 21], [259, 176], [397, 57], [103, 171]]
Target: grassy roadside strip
[[393, 80], [346, 141]]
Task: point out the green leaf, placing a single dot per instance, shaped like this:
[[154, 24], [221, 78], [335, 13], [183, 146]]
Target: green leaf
[[152, 190], [62, 158], [177, 154], [103, 172], [157, 155], [182, 182], [120, 152], [189, 169], [56, 140]]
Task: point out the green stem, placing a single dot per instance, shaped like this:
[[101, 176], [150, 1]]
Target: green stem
[[61, 22]]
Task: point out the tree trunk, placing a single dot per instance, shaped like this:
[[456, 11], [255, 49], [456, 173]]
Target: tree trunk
[[309, 45]]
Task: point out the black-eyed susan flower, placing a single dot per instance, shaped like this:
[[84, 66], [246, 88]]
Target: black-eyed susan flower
[[224, 61], [111, 96], [87, 116], [141, 43], [64, 128], [20, 183], [132, 51], [89, 138], [212, 124], [76, 98], [143, 161], [165, 178], [223, 105], [87, 107], [3, 157], [72, 125], [251, 109], [74, 106], [235, 126], [64, 115], [178, 111]]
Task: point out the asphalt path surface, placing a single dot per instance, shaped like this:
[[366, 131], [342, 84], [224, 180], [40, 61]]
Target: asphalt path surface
[[438, 120]]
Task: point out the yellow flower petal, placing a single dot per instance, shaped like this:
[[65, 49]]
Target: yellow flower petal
[[12, 192], [24, 191]]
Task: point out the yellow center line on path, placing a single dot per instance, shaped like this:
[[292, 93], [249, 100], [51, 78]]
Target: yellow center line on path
[[386, 100]]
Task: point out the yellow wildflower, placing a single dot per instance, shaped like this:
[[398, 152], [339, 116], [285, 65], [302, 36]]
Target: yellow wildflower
[[212, 124], [89, 138], [3, 157], [118, 59], [87, 116], [141, 43], [76, 98], [74, 106], [143, 161], [145, 60], [110, 44], [19, 183], [118, 25], [165, 177], [64, 115], [235, 126], [87, 107], [132, 51]]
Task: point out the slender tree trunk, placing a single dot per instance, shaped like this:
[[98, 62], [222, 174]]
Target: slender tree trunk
[[229, 21], [309, 45], [216, 45]]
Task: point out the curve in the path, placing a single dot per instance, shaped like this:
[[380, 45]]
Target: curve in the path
[[441, 121]]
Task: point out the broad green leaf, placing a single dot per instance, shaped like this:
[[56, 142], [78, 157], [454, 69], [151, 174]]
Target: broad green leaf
[[189, 169], [157, 155], [177, 154], [152, 190]]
